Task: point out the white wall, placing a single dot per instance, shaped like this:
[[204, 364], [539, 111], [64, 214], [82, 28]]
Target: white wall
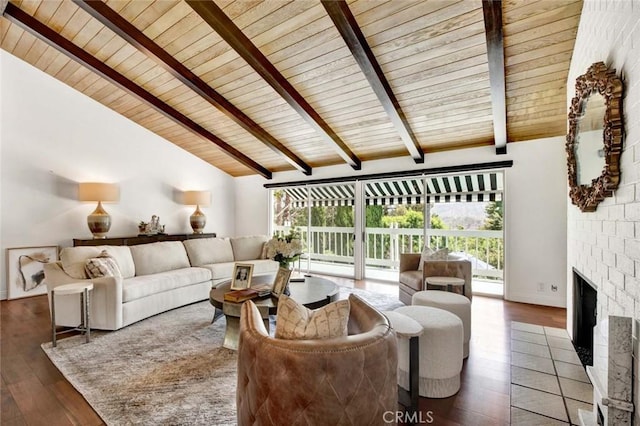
[[535, 209], [53, 137], [604, 245]]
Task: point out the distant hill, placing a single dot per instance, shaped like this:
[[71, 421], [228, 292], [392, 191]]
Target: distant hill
[[467, 215]]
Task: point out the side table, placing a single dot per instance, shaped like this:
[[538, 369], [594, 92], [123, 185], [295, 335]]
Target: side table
[[74, 288], [450, 284], [408, 328]]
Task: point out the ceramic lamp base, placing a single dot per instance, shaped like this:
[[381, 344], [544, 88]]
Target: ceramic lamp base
[[198, 220], [99, 222]]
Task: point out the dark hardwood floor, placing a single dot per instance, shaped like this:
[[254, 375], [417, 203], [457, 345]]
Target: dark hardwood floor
[[35, 393]]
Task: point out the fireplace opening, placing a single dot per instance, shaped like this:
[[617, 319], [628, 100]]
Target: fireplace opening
[[584, 316]]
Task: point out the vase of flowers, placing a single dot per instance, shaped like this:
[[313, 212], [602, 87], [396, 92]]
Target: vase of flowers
[[285, 249]]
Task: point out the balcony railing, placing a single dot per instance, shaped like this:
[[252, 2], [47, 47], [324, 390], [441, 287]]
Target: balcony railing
[[334, 245]]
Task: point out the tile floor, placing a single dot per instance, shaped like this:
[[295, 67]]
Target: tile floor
[[548, 382]]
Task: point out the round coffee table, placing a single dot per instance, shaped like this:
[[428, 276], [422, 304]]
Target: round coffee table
[[313, 292]]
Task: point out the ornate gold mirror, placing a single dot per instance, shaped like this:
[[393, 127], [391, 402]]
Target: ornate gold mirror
[[594, 140]]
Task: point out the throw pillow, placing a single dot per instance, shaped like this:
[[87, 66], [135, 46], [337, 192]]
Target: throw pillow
[[426, 252], [429, 254], [295, 321], [102, 266]]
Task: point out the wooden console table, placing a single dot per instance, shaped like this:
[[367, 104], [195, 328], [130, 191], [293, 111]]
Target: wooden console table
[[138, 239]]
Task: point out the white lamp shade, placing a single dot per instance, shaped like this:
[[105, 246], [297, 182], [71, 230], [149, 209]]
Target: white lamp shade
[[94, 191], [197, 198]]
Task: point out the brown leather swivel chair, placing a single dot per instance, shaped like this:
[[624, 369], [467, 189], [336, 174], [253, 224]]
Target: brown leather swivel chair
[[349, 380]]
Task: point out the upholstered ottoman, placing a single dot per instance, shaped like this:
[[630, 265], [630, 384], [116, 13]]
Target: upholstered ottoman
[[440, 352], [451, 302]]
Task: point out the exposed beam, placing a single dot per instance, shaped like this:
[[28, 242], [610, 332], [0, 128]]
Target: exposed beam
[[116, 23], [49, 36], [346, 24], [492, 10], [221, 24]]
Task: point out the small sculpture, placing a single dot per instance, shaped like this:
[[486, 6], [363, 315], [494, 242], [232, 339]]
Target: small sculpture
[[153, 227]]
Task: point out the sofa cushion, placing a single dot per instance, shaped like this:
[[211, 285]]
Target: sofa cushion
[[122, 256], [295, 321], [146, 285], [412, 279], [220, 270], [159, 257], [74, 259], [202, 251], [264, 266], [248, 248]]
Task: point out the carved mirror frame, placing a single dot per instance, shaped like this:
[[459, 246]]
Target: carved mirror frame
[[597, 79]]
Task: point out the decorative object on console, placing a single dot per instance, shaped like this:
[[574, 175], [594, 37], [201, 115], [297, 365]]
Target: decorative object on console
[[197, 198], [25, 270], [153, 227], [594, 139], [99, 221], [285, 249]]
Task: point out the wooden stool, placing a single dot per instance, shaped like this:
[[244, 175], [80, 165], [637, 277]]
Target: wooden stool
[[73, 288]]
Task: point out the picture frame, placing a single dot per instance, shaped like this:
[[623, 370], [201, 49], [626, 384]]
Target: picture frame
[[280, 282], [25, 270], [242, 274]]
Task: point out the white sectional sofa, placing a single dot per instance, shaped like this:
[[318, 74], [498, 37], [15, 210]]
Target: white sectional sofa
[[152, 278]]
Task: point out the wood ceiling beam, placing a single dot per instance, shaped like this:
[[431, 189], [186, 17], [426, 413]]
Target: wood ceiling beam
[[116, 23], [55, 40], [492, 10], [346, 24], [221, 24]]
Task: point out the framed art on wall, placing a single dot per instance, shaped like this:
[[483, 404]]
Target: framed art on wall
[[25, 270]]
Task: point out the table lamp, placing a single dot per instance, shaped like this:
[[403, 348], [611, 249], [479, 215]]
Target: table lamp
[[99, 221], [197, 198]]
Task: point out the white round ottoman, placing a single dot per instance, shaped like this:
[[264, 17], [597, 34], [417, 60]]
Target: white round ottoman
[[440, 352], [451, 302]]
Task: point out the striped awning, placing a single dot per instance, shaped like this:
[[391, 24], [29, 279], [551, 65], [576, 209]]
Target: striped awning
[[470, 187], [327, 195]]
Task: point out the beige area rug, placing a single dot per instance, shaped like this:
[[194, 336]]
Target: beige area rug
[[169, 369], [548, 382]]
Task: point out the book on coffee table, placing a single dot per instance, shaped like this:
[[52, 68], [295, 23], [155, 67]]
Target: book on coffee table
[[262, 289], [238, 296]]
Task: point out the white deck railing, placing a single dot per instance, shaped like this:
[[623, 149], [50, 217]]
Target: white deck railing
[[485, 249]]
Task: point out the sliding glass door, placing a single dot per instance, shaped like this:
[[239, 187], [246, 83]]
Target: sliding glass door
[[462, 212], [325, 217], [394, 224]]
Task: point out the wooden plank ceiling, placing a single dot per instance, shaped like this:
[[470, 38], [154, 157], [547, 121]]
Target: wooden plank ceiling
[[256, 87]]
